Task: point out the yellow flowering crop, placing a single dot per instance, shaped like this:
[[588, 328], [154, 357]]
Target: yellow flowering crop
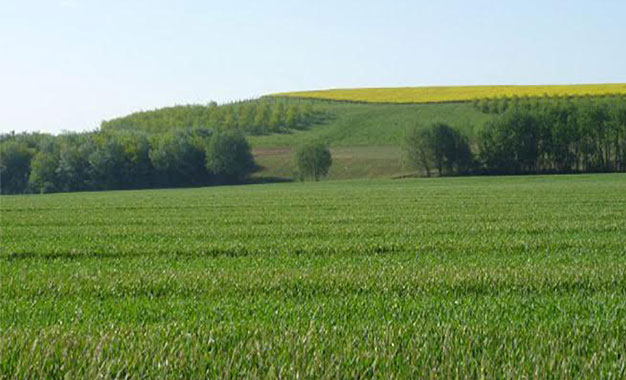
[[455, 93]]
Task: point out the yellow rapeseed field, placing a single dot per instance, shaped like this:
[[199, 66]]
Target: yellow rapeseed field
[[455, 93]]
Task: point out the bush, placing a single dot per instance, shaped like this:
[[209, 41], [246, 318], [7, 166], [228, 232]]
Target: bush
[[441, 147], [179, 158], [418, 151], [228, 157], [14, 167], [43, 176], [313, 160]]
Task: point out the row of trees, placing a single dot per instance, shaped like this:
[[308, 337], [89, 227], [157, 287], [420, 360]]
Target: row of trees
[[539, 136], [439, 147], [122, 160], [502, 104], [564, 136], [251, 117]]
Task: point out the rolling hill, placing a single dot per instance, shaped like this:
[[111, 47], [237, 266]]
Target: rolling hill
[[365, 139], [364, 127]]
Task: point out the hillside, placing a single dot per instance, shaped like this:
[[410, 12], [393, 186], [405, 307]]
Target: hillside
[[364, 127], [365, 139], [442, 94]]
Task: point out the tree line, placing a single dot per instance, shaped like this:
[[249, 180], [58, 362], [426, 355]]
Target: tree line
[[499, 105], [124, 159], [542, 135], [252, 117], [550, 135]]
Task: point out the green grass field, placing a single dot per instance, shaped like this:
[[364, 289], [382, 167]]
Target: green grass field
[[492, 277], [442, 94], [376, 124]]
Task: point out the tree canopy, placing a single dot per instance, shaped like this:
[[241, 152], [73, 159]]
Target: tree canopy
[[252, 117], [228, 157], [440, 146], [529, 136], [108, 160], [313, 160]]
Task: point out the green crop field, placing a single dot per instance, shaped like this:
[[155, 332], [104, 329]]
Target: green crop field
[[442, 94], [492, 277]]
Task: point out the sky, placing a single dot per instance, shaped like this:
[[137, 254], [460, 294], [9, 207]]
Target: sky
[[66, 65]]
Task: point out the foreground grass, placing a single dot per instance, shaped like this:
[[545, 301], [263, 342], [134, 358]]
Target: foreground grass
[[458, 277], [456, 93]]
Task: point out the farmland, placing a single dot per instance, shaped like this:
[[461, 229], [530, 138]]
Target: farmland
[[443, 94], [499, 277], [365, 139]]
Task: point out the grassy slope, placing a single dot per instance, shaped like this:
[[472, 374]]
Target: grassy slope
[[492, 277], [365, 138], [455, 93]]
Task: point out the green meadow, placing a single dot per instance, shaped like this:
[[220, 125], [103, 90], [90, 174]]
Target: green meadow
[[365, 139], [475, 277]]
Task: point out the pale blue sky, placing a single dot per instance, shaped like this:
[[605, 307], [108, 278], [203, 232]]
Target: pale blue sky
[[68, 64]]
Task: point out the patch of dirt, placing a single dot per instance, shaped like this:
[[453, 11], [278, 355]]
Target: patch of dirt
[[271, 151]]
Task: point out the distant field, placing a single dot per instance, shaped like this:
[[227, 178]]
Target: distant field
[[454, 93], [365, 139], [376, 120], [492, 277], [376, 124], [348, 162]]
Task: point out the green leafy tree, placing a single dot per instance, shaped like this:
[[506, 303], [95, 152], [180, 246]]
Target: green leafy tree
[[230, 120], [276, 120], [229, 158], [73, 171], [137, 169], [15, 160], [313, 160], [619, 135], [292, 119], [450, 150], [418, 149], [309, 116], [262, 118], [179, 159], [246, 119], [107, 163], [439, 146], [43, 175], [511, 143]]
